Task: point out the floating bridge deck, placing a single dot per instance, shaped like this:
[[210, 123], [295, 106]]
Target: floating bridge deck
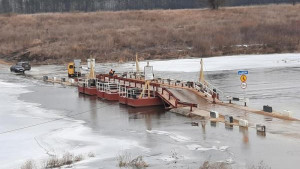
[[181, 94], [174, 93]]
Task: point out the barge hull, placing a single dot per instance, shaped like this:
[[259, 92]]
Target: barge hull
[[91, 91], [122, 100], [111, 96], [100, 94], [144, 102], [80, 89]]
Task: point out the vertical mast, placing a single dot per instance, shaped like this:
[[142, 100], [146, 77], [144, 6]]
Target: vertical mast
[[92, 71], [137, 64], [201, 77]]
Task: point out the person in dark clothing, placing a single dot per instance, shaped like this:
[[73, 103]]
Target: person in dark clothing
[[111, 72]]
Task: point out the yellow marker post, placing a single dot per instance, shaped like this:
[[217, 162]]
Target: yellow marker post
[[146, 87]]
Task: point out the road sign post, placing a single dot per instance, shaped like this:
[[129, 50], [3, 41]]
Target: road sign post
[[243, 79]]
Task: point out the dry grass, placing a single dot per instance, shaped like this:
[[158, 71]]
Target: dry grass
[[223, 165], [66, 160], [260, 165], [28, 165], [126, 160], [4, 62], [90, 154], [215, 165], [154, 34]]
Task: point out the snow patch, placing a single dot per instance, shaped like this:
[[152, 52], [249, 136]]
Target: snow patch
[[225, 63], [200, 148]]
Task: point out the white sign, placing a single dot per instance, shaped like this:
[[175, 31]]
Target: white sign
[[148, 72], [91, 62], [244, 85]]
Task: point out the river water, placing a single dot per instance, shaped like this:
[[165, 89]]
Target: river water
[[40, 119]]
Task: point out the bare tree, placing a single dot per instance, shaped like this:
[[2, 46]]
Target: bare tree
[[215, 4]]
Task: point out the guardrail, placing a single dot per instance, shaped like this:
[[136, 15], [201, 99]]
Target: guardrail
[[177, 100], [205, 88]]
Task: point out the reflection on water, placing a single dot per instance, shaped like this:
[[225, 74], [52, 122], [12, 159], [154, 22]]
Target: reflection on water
[[261, 134], [146, 113], [94, 114], [213, 124], [229, 127], [244, 131]]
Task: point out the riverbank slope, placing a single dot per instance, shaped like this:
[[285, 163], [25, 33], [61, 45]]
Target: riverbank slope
[[155, 34]]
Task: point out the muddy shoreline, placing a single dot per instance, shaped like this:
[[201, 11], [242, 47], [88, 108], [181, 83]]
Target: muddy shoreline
[[6, 60]]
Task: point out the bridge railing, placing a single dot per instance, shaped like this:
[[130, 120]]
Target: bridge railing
[[171, 95], [177, 100], [209, 89], [206, 87]]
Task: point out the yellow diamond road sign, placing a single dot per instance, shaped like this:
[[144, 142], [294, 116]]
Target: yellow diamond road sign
[[243, 78]]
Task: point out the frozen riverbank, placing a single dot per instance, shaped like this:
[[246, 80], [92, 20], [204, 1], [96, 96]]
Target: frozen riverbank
[[225, 63], [29, 131]]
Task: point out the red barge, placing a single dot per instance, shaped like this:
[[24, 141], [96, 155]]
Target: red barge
[[134, 97], [111, 91], [136, 89], [100, 89], [87, 86], [136, 92]]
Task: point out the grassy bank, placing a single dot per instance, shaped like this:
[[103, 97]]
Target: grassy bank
[[154, 34]]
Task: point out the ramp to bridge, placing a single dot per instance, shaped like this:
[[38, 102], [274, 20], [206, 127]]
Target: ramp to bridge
[[188, 96], [180, 97], [168, 97]]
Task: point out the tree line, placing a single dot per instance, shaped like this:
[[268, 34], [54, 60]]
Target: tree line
[[37, 6]]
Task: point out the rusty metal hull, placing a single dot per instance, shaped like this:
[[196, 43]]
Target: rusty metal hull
[[122, 100], [111, 96], [91, 91], [144, 102], [80, 89], [100, 94]]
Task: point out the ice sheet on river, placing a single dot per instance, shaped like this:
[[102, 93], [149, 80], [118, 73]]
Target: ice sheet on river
[[60, 135], [173, 136], [227, 62]]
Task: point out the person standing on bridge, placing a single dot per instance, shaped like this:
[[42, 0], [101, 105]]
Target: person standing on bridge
[[214, 95], [111, 72]]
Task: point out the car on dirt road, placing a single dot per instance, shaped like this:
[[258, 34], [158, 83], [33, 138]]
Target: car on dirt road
[[17, 69], [25, 65]]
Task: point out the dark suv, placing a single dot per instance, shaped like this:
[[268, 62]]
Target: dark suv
[[25, 65], [17, 69]]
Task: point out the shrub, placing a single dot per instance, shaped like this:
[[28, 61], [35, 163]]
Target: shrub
[[126, 160], [28, 165]]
